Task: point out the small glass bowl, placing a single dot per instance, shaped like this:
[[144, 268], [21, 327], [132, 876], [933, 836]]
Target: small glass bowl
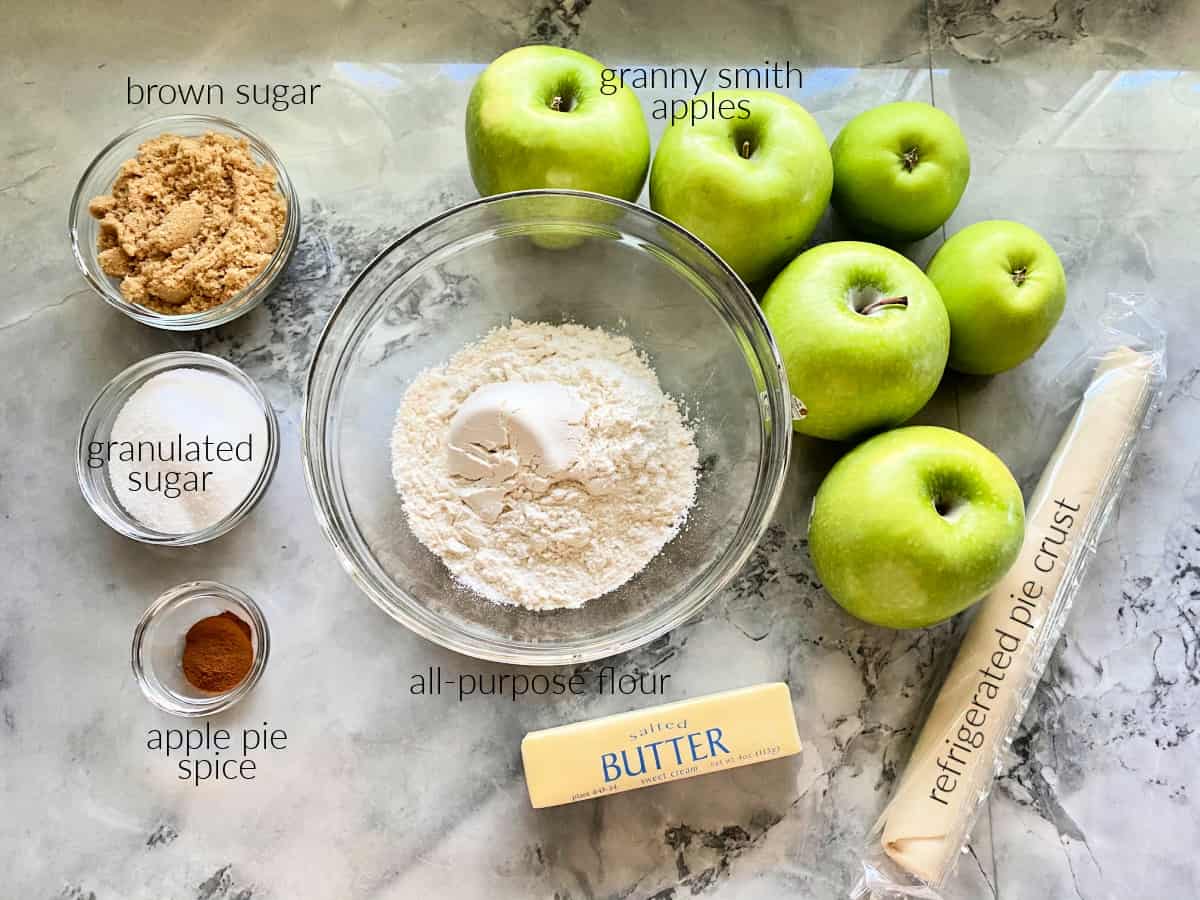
[[98, 179], [158, 643], [97, 426]]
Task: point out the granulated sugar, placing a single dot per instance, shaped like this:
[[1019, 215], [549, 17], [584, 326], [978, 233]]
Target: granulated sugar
[[163, 440], [505, 521]]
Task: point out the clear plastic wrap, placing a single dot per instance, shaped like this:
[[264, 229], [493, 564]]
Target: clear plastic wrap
[[917, 841]]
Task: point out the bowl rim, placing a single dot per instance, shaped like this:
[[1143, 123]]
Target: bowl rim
[[117, 518], [182, 594], [779, 436], [244, 300]]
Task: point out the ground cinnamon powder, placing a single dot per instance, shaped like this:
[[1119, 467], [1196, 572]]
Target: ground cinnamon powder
[[189, 222], [218, 653]]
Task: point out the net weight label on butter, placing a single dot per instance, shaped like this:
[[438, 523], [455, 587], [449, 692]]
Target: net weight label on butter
[[714, 764]]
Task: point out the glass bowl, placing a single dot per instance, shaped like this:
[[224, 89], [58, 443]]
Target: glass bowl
[[549, 256], [97, 427], [98, 179], [158, 642]]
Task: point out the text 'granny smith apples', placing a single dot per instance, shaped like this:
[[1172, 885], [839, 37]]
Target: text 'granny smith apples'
[[1004, 288], [751, 188], [914, 526], [537, 119], [863, 335], [899, 171]]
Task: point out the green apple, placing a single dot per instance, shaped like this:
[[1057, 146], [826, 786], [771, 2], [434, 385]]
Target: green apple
[[863, 334], [751, 188], [537, 118], [1004, 289], [899, 171], [914, 526]]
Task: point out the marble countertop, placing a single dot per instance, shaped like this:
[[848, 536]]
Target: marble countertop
[[1082, 123]]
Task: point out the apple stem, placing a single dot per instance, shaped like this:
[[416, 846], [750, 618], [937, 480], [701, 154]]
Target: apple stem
[[745, 149], [910, 159], [556, 104], [884, 303], [1019, 276]]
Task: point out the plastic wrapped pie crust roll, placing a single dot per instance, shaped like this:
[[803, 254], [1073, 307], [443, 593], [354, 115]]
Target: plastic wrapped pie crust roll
[[1015, 628]]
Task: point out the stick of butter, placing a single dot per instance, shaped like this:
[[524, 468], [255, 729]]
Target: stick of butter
[[663, 743]]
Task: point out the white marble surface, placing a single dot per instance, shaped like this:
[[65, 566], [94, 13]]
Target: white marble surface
[[1083, 126]]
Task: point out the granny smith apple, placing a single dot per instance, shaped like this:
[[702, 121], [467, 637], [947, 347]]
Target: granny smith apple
[[914, 526], [863, 334], [751, 188], [899, 171], [1004, 288], [537, 119]]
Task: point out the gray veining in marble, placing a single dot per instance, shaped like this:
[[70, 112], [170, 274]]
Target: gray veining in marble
[[1082, 118]]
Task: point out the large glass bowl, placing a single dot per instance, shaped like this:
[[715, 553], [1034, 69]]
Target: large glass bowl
[[548, 256]]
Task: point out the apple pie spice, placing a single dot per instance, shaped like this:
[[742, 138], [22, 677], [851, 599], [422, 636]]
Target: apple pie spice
[[218, 652]]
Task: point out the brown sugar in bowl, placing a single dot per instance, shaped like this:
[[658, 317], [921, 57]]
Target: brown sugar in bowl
[[93, 251]]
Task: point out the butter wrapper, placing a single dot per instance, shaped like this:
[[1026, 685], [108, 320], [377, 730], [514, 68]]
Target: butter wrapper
[[659, 744]]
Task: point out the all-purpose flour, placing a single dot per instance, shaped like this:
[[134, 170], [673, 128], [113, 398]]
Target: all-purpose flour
[[545, 513]]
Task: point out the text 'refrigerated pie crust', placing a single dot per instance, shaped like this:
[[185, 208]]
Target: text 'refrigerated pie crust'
[[924, 834]]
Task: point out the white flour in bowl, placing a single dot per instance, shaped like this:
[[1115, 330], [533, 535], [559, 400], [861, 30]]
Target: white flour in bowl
[[543, 464]]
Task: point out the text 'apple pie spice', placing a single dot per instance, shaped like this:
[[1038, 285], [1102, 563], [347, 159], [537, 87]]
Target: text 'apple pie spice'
[[218, 652], [543, 464]]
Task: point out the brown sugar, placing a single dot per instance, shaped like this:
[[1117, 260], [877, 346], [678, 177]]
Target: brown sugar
[[190, 222], [218, 652]]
